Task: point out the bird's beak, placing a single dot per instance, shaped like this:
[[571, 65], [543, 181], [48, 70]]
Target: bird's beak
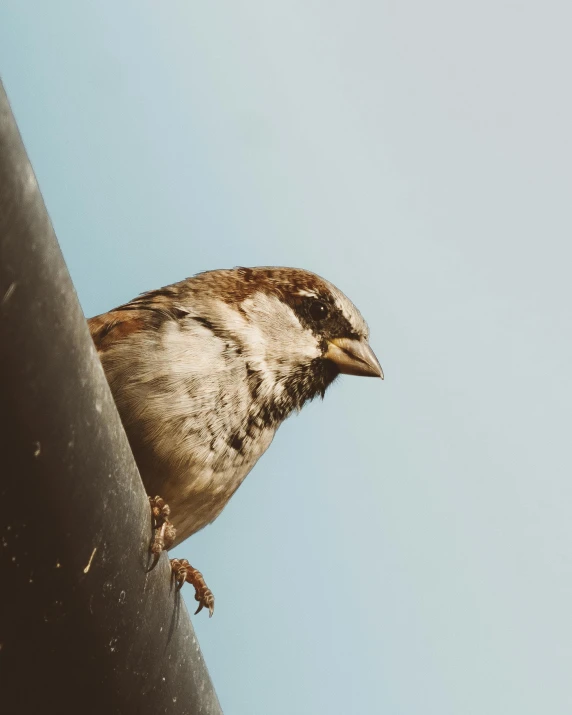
[[353, 357]]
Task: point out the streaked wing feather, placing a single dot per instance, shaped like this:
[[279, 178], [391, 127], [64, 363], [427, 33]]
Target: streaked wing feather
[[146, 312]]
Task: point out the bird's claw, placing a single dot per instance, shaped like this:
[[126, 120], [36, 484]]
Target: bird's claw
[[159, 509], [163, 538], [164, 532], [155, 562], [183, 571]]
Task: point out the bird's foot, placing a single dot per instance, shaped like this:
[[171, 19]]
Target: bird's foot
[[183, 571], [164, 531], [163, 538]]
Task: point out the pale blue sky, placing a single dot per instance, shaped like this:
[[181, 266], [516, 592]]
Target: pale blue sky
[[404, 547]]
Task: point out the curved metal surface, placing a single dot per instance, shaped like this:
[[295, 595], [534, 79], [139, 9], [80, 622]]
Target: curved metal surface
[[83, 627]]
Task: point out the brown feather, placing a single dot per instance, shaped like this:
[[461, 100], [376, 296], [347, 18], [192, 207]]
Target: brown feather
[[105, 329]]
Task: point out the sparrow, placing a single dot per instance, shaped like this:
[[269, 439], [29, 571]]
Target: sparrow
[[204, 371]]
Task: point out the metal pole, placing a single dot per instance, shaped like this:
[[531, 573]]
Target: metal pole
[[83, 627]]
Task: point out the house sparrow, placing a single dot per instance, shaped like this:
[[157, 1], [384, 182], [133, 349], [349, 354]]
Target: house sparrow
[[203, 373]]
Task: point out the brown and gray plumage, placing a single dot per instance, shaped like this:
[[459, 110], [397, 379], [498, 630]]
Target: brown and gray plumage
[[204, 371]]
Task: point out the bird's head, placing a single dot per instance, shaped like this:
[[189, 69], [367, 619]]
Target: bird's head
[[296, 331]]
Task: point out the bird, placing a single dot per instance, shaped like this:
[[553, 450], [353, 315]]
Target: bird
[[204, 371]]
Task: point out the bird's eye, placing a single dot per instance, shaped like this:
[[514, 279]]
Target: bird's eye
[[318, 310]]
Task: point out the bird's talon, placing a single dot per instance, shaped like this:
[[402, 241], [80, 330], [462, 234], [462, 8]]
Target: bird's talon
[[155, 562], [159, 509], [164, 532], [183, 571]]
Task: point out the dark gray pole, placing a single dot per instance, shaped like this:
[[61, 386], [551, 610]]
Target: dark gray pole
[[83, 627]]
